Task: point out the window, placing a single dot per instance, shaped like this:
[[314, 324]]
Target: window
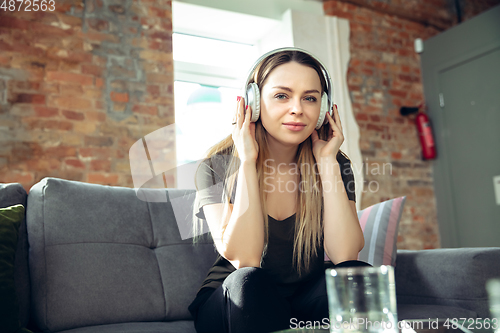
[[203, 116], [208, 78], [209, 75]]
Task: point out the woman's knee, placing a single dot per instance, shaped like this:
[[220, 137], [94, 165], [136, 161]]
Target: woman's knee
[[352, 263], [253, 302], [251, 285], [247, 277]]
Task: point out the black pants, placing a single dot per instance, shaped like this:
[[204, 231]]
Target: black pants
[[248, 301]]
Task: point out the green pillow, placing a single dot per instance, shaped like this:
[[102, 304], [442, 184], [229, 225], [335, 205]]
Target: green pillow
[[10, 220]]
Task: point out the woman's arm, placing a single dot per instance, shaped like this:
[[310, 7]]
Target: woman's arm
[[343, 237], [241, 239]]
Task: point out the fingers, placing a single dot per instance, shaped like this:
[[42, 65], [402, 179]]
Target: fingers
[[248, 115], [238, 102], [337, 116], [240, 114], [333, 126], [244, 114], [335, 122]]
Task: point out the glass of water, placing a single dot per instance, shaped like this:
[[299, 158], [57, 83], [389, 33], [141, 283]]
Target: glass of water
[[362, 299]]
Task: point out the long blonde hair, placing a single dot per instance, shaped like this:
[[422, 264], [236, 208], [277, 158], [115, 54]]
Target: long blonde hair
[[309, 215]]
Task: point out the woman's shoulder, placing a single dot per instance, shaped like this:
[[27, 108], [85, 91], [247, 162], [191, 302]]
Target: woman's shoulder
[[343, 159], [346, 169], [217, 162], [214, 167]]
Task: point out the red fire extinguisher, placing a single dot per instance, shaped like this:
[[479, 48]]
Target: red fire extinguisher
[[425, 134], [424, 130]]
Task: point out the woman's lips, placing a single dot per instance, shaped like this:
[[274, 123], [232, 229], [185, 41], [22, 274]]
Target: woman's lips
[[295, 128]]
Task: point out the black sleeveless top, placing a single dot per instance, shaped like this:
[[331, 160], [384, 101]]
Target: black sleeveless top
[[278, 260]]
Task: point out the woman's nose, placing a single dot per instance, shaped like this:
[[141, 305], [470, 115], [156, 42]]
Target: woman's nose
[[296, 106]]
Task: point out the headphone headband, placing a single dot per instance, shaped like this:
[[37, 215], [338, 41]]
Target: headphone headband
[[326, 75]]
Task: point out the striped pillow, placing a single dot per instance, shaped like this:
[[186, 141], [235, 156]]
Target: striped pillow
[[380, 228]]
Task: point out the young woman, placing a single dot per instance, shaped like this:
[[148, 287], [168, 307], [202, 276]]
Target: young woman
[[277, 195]]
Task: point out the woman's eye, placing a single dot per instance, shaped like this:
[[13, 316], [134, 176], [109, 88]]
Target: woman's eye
[[311, 99], [280, 96]]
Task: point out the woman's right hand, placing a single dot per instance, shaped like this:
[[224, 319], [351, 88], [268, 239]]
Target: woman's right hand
[[244, 133]]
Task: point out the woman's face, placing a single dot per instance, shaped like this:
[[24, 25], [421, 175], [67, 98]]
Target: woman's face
[[291, 93]]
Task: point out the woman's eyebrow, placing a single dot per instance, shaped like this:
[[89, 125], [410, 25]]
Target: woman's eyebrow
[[290, 90]]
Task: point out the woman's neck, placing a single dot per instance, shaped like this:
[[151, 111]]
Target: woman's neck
[[284, 155]]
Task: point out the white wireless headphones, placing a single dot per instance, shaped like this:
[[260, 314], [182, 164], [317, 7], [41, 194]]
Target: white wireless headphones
[[252, 93]]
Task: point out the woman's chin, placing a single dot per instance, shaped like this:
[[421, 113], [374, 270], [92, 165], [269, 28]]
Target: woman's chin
[[287, 137], [296, 140]]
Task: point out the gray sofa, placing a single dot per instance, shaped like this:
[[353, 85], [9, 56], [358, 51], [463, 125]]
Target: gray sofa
[[95, 258]]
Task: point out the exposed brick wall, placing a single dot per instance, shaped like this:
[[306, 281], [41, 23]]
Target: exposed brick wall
[[471, 8], [383, 75], [80, 85]]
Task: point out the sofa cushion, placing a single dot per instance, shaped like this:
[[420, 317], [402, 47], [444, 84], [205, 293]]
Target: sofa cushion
[[181, 326], [447, 277], [99, 255], [380, 223], [10, 195], [426, 311]]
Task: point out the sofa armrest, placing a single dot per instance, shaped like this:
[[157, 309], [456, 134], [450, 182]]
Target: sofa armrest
[[453, 277]]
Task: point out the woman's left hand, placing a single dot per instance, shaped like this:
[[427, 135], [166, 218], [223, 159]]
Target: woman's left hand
[[324, 149]]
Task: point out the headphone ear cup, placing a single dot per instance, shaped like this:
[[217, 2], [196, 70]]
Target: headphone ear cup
[[323, 111], [253, 99]]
